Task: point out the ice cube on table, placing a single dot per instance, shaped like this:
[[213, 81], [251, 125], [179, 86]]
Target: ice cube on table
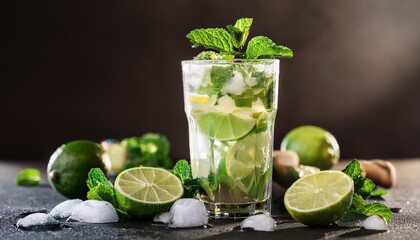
[[162, 217], [94, 211], [64, 209], [260, 222], [375, 222], [37, 219], [188, 212]]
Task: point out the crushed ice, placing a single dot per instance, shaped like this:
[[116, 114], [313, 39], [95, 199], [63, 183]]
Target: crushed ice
[[162, 217], [260, 222], [375, 222], [94, 211]]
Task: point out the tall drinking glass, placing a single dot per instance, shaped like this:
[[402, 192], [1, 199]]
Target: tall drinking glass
[[231, 108]]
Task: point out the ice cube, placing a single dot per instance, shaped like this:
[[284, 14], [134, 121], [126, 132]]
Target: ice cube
[[64, 209], [188, 212], [260, 222], [162, 217], [235, 85], [375, 222], [226, 104], [37, 219], [94, 211]]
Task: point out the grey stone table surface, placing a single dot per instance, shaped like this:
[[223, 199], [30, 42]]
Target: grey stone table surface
[[17, 201]]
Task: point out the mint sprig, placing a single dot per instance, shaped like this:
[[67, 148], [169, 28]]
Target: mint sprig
[[229, 43], [363, 188]]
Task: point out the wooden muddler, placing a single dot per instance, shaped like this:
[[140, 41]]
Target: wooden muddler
[[381, 172]]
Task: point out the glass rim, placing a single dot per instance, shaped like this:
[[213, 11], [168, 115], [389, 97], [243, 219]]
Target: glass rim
[[236, 60]]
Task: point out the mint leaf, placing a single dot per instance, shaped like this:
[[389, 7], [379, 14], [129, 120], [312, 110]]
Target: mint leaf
[[28, 177], [210, 55], [362, 186], [212, 38], [244, 99], [360, 209], [209, 184], [263, 47], [182, 170], [100, 188], [218, 77], [244, 24], [236, 34], [353, 169], [191, 185], [378, 193], [240, 31]]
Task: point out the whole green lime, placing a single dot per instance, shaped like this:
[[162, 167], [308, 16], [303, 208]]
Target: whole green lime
[[70, 164], [314, 145]]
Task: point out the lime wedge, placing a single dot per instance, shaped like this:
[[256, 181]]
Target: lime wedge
[[319, 199], [146, 191], [247, 160], [198, 98], [225, 126]]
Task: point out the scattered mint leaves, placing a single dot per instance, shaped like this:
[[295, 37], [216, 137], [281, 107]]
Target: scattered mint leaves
[[263, 47], [378, 193], [231, 41], [28, 177], [219, 76], [212, 38], [150, 150], [100, 188], [363, 188]]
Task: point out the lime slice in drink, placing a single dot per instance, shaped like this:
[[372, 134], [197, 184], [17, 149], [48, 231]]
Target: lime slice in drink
[[224, 126], [319, 199], [246, 161], [146, 191]]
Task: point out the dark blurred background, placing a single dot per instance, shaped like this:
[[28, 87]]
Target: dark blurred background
[[111, 69]]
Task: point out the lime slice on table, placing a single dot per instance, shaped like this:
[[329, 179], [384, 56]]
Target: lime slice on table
[[224, 126], [146, 191], [246, 161], [319, 199]]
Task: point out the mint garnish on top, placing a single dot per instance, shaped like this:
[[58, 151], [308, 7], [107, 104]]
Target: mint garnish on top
[[228, 44]]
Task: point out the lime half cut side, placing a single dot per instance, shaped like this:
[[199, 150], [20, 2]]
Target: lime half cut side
[[319, 199], [146, 191], [225, 126]]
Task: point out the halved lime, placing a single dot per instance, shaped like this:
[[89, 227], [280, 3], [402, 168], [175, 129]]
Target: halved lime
[[225, 126], [146, 191], [247, 160], [319, 199]]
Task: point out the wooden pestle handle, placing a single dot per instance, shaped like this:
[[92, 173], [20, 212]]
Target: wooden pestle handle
[[381, 172]]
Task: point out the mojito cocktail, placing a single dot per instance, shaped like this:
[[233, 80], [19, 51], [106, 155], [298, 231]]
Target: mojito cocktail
[[231, 107]]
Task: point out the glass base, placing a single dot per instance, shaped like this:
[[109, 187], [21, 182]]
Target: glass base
[[236, 211]]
